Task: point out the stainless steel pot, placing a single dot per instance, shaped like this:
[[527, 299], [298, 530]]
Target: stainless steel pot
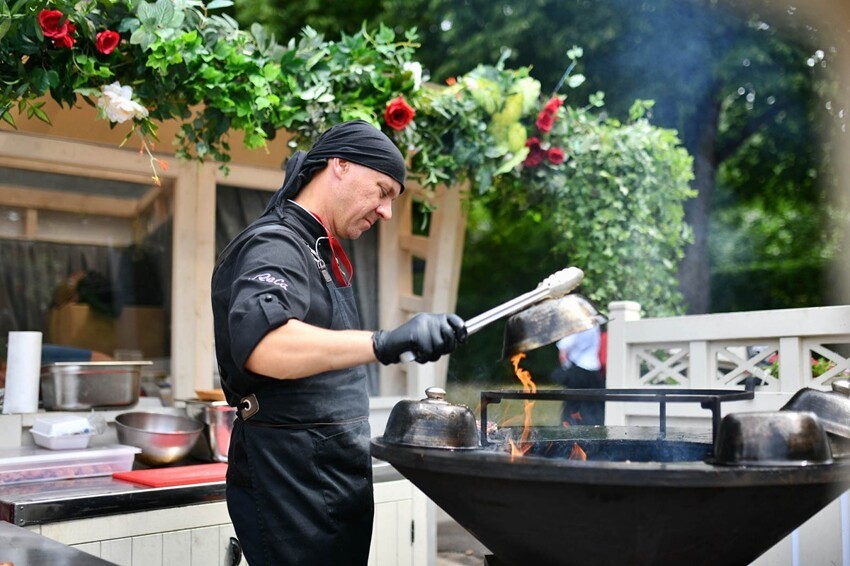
[[432, 422], [217, 418]]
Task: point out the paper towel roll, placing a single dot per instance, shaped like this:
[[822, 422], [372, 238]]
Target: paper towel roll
[[23, 368]]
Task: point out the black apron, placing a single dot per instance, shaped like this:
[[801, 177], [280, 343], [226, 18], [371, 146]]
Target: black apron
[[299, 489]]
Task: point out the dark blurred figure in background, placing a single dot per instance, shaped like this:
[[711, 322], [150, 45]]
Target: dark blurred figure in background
[[581, 368]]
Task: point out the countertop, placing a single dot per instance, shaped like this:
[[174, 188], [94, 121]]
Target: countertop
[[20, 546], [62, 500]]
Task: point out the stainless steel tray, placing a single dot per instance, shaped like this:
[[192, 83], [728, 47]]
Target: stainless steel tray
[[74, 386]]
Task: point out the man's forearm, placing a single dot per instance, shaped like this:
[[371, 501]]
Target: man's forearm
[[297, 350]]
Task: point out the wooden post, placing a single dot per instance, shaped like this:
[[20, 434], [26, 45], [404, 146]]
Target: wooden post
[[442, 251], [193, 261]]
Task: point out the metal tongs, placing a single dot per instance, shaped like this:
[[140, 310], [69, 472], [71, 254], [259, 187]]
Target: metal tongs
[[556, 285]]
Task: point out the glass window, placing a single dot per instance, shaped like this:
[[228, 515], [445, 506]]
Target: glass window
[[87, 262]]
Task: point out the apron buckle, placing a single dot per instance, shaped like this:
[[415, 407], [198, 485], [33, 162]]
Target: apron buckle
[[248, 407]]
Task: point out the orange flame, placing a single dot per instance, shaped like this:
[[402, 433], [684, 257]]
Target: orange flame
[[528, 386], [577, 453]]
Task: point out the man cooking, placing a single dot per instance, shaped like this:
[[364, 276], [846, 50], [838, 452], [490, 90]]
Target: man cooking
[[299, 478]]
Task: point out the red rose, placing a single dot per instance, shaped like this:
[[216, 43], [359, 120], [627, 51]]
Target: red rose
[[553, 105], [398, 113], [66, 41], [53, 27], [535, 157], [555, 155], [532, 143], [49, 22], [107, 41], [545, 120]]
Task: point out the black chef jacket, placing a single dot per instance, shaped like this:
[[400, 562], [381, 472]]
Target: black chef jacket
[[299, 477], [262, 286]]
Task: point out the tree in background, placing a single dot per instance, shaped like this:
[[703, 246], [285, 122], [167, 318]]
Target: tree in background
[[750, 86]]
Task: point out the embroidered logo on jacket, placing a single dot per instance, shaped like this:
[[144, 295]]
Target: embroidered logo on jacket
[[269, 278]]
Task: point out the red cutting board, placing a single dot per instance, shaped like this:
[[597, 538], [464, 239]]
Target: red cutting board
[[178, 475]]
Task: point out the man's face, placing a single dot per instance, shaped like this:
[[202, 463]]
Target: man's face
[[362, 197]]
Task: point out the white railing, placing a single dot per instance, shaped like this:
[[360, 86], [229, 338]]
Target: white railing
[[776, 349]]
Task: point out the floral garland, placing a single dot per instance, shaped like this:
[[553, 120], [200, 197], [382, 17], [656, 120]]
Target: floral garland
[[143, 63]]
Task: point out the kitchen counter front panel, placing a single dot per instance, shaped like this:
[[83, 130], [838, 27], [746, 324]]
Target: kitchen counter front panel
[[62, 500]]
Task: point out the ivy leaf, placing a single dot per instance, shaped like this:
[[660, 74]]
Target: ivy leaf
[[313, 92], [216, 4], [597, 99], [385, 34], [142, 37], [147, 14], [8, 118], [35, 110], [359, 113], [575, 81]]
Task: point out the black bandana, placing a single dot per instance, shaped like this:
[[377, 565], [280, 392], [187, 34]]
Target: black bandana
[[356, 141]]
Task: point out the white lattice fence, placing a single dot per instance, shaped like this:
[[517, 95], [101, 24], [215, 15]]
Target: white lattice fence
[[780, 351]]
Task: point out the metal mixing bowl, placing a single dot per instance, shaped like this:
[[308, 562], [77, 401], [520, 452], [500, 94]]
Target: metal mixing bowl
[[163, 438]]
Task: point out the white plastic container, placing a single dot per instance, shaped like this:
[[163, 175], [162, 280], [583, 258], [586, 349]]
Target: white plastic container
[[61, 432], [64, 442], [61, 424]]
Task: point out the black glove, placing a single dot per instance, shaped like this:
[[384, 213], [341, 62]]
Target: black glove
[[427, 336]]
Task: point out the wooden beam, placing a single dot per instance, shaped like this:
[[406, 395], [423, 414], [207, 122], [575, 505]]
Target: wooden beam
[[442, 275], [442, 250], [90, 160], [411, 304], [248, 177], [148, 199], [416, 245], [60, 201], [69, 239], [48, 166]]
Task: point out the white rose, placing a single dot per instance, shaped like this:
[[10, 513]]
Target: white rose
[[117, 102], [415, 69]]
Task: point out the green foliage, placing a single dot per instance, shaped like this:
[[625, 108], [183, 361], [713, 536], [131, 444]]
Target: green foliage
[[616, 203], [611, 193], [463, 131], [186, 64], [773, 72]]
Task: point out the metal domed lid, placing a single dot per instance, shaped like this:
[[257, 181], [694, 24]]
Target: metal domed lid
[[432, 422]]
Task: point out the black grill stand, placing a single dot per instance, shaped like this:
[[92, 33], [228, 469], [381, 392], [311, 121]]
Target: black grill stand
[[707, 398]]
